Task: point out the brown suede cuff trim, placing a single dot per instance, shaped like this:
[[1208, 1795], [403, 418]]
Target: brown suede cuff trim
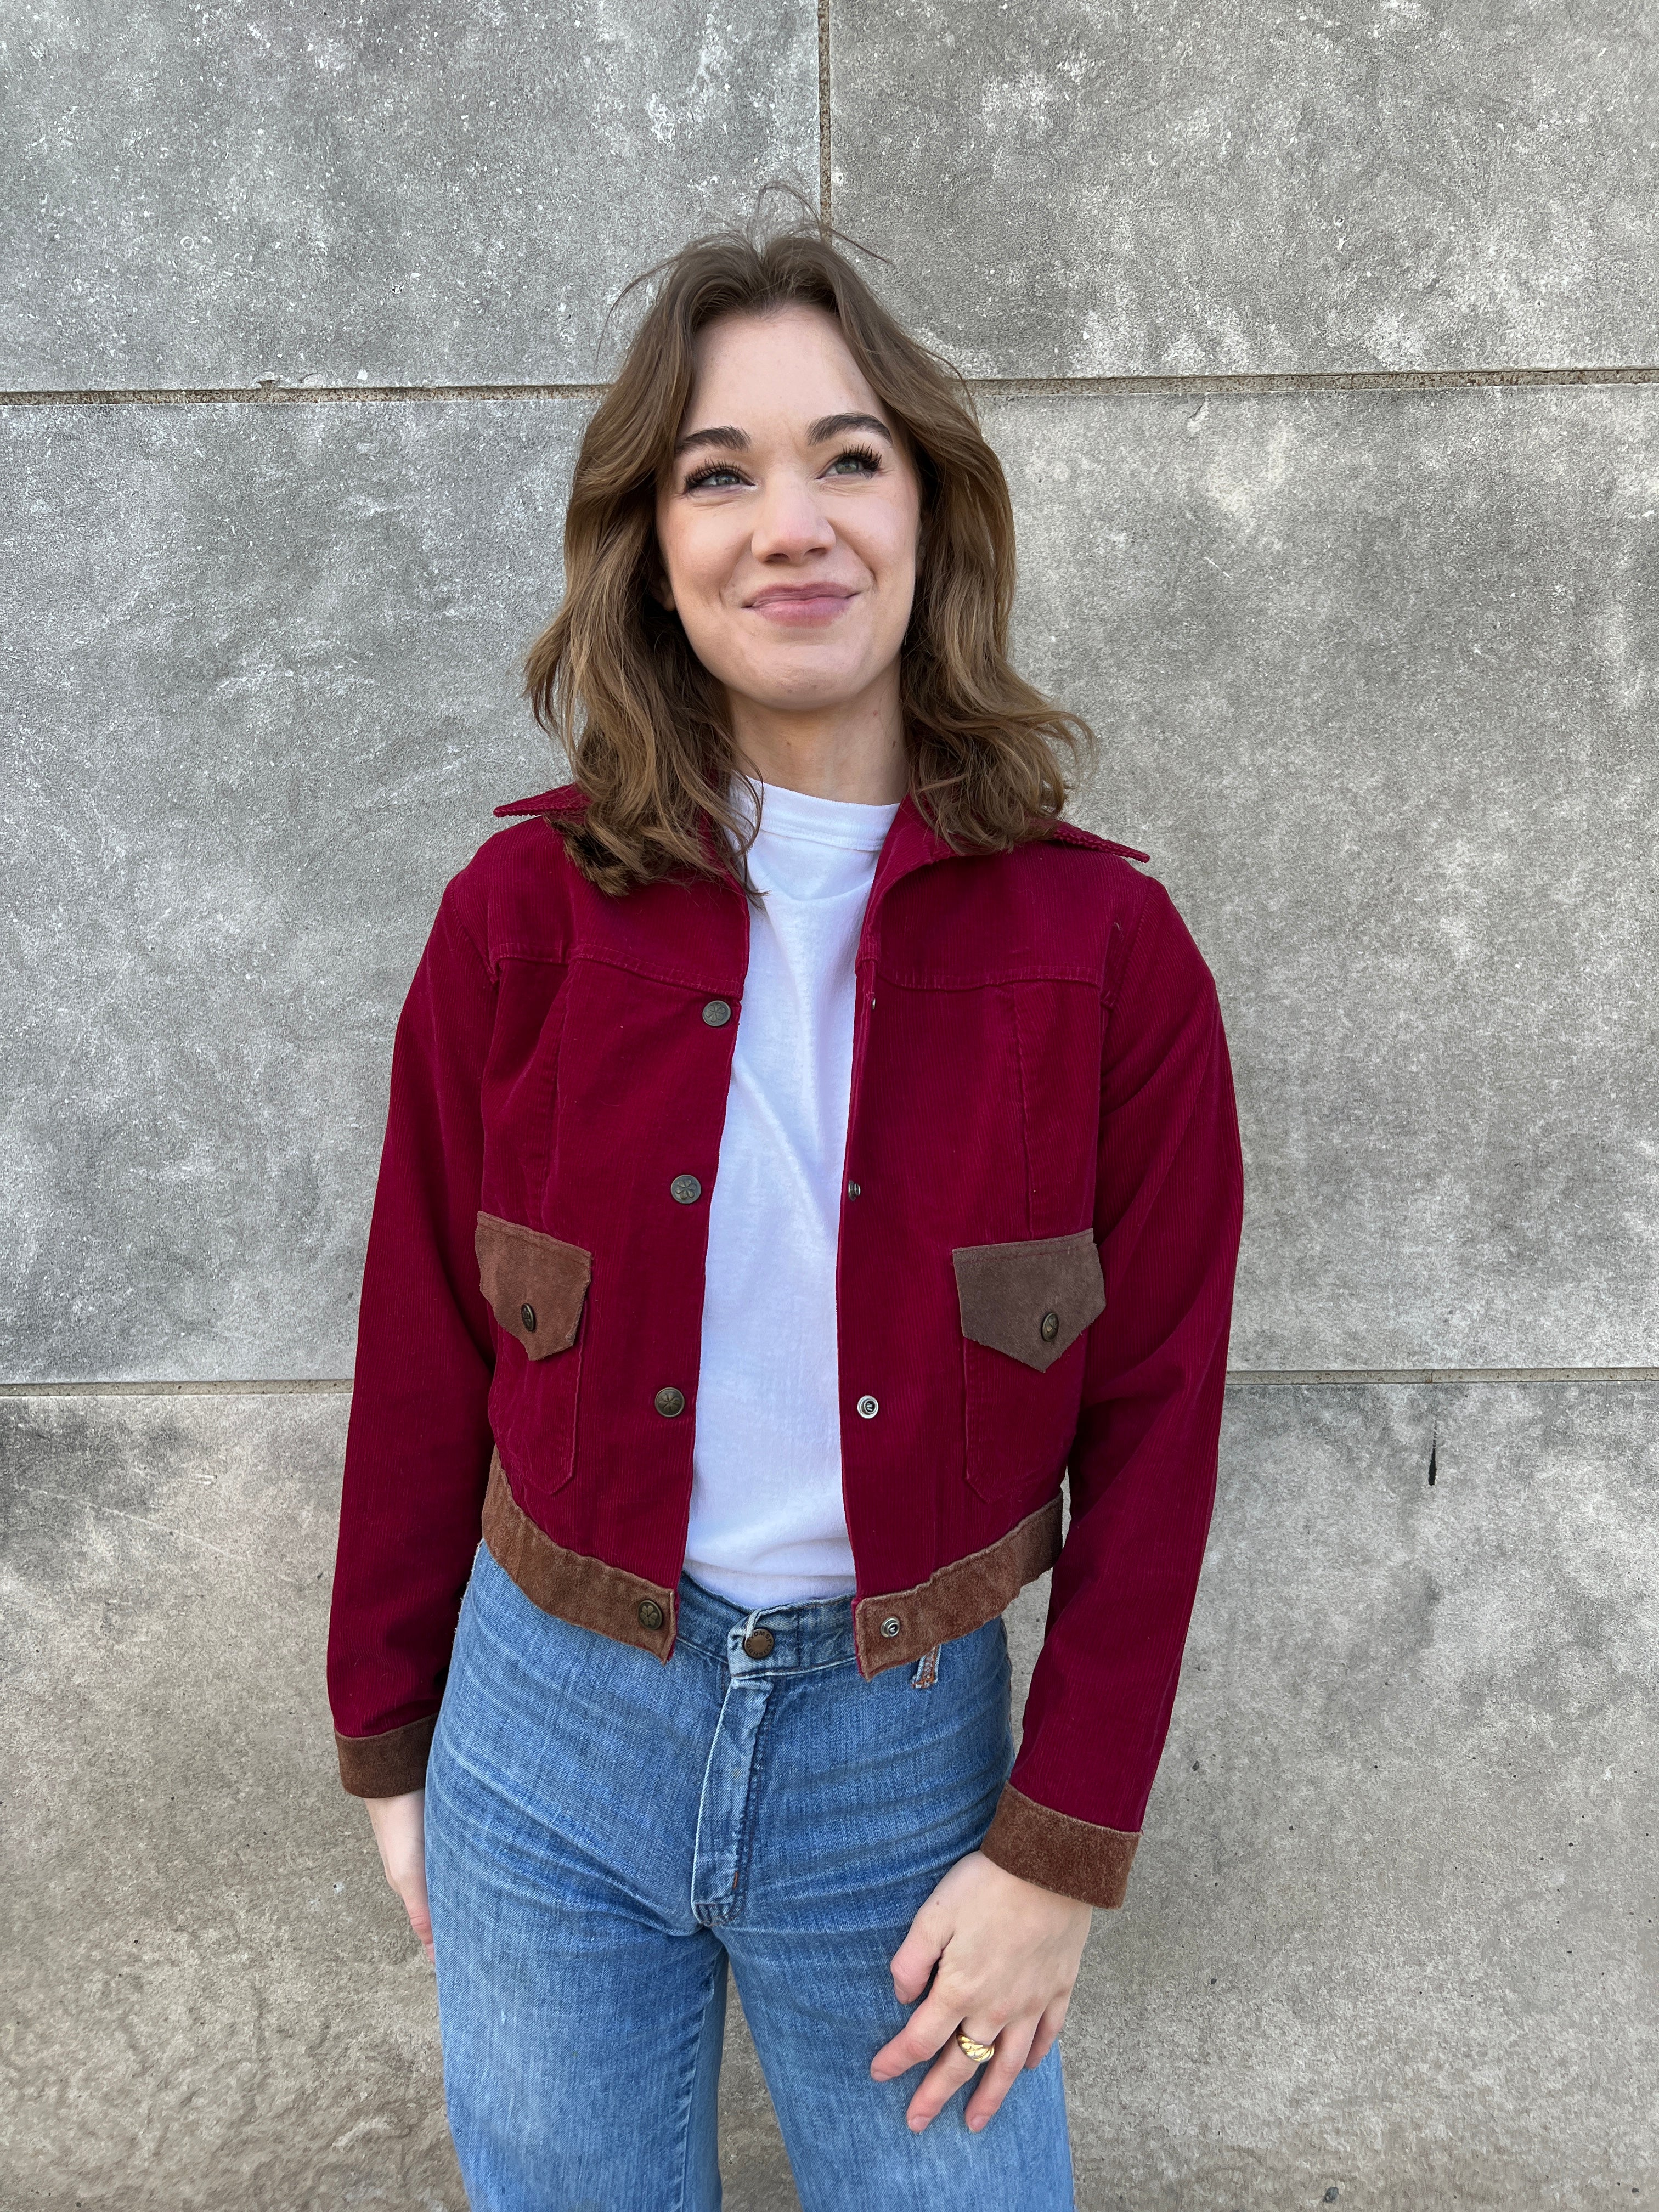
[[960, 1598], [570, 1584], [1074, 1858], [386, 1765]]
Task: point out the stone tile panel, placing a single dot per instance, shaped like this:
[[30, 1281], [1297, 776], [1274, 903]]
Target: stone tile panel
[[1133, 187], [261, 665], [442, 193], [1388, 1931], [1374, 678]]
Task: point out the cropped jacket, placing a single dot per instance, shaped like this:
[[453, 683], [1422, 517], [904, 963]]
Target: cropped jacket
[[1039, 1223]]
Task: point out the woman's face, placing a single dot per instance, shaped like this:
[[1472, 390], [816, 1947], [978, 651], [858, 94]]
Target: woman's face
[[788, 525]]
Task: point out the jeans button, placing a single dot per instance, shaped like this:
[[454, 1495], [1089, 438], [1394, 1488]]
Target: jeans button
[[759, 1642]]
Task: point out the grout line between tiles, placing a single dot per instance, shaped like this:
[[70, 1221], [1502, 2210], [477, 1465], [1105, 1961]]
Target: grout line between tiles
[[1357, 1377], [1288, 383], [298, 1387], [826, 205], [1300, 1378]]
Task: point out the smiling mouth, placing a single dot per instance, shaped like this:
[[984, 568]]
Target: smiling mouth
[[799, 604]]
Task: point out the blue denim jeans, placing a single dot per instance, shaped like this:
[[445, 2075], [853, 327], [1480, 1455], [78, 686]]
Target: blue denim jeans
[[604, 1834]]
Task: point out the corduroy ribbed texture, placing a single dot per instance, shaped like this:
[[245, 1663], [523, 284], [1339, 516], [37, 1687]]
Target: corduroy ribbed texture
[[1037, 1055]]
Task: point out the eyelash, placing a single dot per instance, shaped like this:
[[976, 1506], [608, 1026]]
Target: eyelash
[[867, 454]]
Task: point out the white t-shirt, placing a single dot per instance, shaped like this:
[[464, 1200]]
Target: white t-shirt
[[768, 1523]]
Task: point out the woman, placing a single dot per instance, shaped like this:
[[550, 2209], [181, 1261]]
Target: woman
[[804, 1146]]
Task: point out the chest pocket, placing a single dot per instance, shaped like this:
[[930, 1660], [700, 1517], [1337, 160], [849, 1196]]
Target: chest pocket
[[1025, 1310], [536, 1287]]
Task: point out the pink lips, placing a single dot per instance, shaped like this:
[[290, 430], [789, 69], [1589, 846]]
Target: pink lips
[[800, 606]]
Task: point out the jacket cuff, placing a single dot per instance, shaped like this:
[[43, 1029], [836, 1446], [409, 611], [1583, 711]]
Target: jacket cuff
[[1074, 1858], [386, 1765]]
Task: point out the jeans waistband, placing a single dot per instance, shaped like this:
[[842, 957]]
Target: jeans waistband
[[818, 1633]]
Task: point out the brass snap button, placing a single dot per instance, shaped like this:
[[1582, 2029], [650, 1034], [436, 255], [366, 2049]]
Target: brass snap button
[[527, 1316], [891, 1627], [670, 1401], [650, 1612], [868, 1408], [686, 1188], [759, 1642], [1050, 1328], [717, 1013]]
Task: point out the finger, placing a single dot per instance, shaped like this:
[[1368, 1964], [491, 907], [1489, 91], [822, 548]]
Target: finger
[[943, 2079], [412, 1890], [1048, 2033], [919, 1953], [1000, 2074], [927, 2029]]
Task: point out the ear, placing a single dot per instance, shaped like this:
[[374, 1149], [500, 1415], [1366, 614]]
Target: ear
[[656, 579]]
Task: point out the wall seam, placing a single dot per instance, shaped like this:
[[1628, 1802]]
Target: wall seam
[[1276, 1377], [826, 179], [995, 387]]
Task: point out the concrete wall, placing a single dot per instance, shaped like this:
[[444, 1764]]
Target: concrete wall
[[1320, 345]]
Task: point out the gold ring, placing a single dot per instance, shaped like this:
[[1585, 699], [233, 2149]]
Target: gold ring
[[979, 2052]]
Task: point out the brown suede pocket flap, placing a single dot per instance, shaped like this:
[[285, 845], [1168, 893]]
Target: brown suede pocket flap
[[1032, 1300], [534, 1284]]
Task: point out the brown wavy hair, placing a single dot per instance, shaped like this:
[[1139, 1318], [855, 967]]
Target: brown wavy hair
[[613, 678]]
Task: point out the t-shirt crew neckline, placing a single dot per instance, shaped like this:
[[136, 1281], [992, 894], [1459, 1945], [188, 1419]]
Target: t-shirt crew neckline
[[853, 824]]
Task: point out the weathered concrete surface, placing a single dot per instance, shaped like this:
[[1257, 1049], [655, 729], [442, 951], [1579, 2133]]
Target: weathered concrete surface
[[1375, 677], [442, 193], [216, 2003], [261, 667], [1112, 187], [1391, 1929]]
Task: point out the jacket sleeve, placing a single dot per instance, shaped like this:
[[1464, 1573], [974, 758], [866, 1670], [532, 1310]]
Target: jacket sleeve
[[418, 1445], [1168, 1207]]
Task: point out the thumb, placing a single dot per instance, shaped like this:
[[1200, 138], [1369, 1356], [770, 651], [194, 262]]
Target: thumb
[[919, 1953], [412, 1890]]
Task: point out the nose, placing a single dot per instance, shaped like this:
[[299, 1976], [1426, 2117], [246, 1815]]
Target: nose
[[790, 522]]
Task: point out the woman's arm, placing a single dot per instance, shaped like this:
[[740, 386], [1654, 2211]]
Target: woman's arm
[[1008, 1923], [417, 1448], [399, 1826]]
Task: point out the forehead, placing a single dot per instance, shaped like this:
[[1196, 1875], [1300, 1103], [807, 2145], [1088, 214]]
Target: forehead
[[789, 362]]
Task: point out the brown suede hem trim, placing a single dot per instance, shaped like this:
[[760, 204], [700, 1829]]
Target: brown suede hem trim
[[960, 1598], [1074, 1858], [570, 1584], [386, 1765]]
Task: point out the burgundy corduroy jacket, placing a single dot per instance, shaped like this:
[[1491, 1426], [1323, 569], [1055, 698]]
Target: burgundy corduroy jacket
[[1038, 1232]]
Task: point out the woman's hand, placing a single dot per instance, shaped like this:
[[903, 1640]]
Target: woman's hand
[[399, 1825], [1008, 1955]]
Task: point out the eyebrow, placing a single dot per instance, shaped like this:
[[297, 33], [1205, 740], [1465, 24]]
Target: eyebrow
[[729, 440], [726, 436], [836, 426]]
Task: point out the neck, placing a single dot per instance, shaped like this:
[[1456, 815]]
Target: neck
[[852, 752]]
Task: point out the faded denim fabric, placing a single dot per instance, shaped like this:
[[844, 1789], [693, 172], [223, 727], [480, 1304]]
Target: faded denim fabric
[[605, 1832]]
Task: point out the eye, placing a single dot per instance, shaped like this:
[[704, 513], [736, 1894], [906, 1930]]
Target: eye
[[717, 475], [855, 461]]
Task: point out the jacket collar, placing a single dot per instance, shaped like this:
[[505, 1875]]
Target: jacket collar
[[911, 841]]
